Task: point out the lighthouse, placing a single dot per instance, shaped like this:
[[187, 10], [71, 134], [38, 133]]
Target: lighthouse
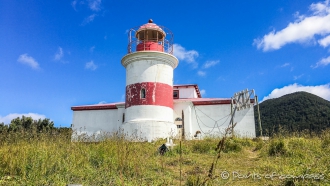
[[149, 65], [155, 108]]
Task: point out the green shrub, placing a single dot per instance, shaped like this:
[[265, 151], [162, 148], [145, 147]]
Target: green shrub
[[326, 143], [194, 180], [325, 137], [246, 142], [184, 148], [231, 145], [259, 145], [277, 147], [203, 146]]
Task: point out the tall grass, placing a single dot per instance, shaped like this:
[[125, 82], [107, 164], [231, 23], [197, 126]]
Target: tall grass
[[52, 159]]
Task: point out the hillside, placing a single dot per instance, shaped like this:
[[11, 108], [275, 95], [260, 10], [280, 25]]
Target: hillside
[[294, 112]]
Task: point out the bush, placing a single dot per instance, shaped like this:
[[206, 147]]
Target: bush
[[232, 145], [277, 147], [246, 142], [325, 136], [259, 145], [203, 146], [184, 149], [193, 180]]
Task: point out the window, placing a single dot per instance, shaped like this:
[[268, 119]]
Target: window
[[176, 94], [123, 117], [179, 126], [143, 93]]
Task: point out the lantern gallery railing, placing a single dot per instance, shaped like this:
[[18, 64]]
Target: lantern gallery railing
[[144, 39]]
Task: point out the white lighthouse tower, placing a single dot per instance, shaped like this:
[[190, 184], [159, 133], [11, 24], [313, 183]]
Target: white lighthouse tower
[[149, 83]]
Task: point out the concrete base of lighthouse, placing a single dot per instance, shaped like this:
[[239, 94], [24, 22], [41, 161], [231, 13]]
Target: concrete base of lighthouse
[[148, 130]]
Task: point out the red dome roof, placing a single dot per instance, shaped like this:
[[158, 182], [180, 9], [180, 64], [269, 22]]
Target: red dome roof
[[151, 26]]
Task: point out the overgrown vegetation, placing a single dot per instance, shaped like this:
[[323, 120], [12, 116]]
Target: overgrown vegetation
[[296, 112], [50, 158], [26, 128]]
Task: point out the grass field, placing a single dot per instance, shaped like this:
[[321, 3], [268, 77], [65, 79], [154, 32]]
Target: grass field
[[44, 159]]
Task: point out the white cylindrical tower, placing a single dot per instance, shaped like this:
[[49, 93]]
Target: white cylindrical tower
[[149, 83]]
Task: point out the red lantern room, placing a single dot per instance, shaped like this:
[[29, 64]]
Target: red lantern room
[[150, 37]]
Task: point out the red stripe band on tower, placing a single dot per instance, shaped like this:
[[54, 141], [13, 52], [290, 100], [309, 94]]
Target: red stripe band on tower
[[149, 93]]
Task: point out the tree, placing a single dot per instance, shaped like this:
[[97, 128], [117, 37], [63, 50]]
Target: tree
[[28, 124]]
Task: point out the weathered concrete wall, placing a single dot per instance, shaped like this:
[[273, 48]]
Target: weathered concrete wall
[[149, 95], [154, 94], [95, 122], [189, 92], [149, 112], [184, 106], [212, 120]]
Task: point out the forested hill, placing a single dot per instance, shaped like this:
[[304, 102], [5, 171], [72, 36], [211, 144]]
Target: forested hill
[[293, 112]]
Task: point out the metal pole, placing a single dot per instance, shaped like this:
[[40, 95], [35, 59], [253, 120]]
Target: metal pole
[[130, 41], [180, 162], [259, 120], [183, 132], [232, 118]]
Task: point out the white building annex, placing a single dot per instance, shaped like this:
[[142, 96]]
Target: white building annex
[[154, 107]]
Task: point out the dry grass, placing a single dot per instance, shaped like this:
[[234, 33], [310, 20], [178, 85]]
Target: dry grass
[[54, 160]]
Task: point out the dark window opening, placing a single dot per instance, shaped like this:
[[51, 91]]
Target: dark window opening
[[123, 117], [176, 94], [143, 93], [179, 126]]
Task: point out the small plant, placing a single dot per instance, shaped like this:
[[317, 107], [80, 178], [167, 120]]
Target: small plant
[[325, 136], [203, 146], [259, 145], [194, 180], [184, 149], [277, 147], [232, 145]]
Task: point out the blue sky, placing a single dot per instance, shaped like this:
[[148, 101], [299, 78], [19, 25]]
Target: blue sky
[[58, 54]]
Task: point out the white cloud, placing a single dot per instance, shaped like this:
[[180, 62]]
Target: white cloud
[[320, 8], [90, 65], [325, 41], [322, 91], [188, 56], [220, 78], [102, 102], [7, 119], [95, 5], [89, 19], [28, 60], [209, 64], [59, 54], [303, 29], [298, 77], [298, 16], [203, 92], [92, 49], [322, 62], [201, 73], [73, 4], [285, 65]]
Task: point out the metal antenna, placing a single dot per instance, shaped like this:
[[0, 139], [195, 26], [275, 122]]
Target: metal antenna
[[240, 101]]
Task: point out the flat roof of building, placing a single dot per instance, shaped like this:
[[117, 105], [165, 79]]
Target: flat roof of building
[[195, 101], [104, 106]]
